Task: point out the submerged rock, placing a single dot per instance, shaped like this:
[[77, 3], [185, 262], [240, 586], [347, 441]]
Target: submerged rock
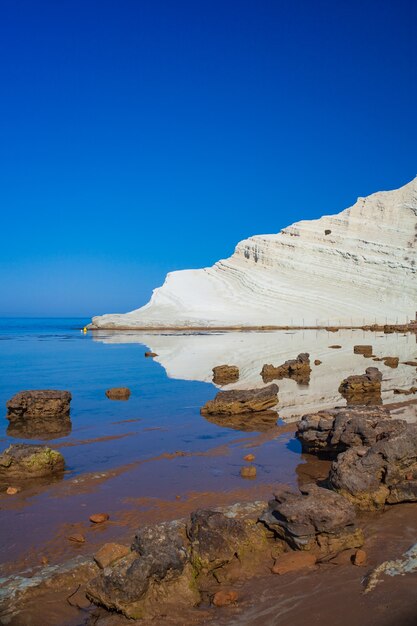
[[297, 369], [316, 519], [40, 413], [336, 430], [363, 389], [385, 473], [224, 374], [23, 460], [237, 401]]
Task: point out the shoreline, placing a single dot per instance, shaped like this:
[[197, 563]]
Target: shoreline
[[387, 328]]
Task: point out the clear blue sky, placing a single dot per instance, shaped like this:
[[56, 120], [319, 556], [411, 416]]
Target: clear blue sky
[[143, 136]]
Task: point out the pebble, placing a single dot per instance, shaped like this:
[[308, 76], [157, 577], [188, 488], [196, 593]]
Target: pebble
[[99, 518], [150, 354], [11, 491], [317, 362], [248, 471], [360, 558], [223, 598], [249, 458], [77, 538]]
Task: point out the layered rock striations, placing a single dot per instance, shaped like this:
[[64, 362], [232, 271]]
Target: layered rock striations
[[352, 268]]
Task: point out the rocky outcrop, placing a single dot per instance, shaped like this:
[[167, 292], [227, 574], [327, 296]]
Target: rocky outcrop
[[118, 393], [225, 374], [316, 520], [384, 473], [364, 269], [41, 413], [297, 369], [334, 431], [363, 389], [217, 539], [238, 402], [156, 572], [25, 461]]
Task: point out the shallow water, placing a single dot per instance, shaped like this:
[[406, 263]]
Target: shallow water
[[155, 456]]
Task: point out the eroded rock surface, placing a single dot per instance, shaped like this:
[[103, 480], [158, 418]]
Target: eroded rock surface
[[336, 430], [316, 519], [237, 402], [40, 413], [297, 369], [155, 573], [25, 461], [363, 389], [225, 374], [365, 350], [384, 473]]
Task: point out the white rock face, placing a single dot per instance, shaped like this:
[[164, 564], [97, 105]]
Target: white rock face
[[356, 267]]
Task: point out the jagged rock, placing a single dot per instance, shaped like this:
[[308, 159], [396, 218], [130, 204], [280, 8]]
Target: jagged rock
[[261, 421], [118, 393], [40, 413], [23, 460], [297, 369], [335, 430], [110, 553], [237, 401], [300, 276], [216, 539], [365, 350], [363, 389], [316, 519], [224, 374], [155, 574], [384, 473]]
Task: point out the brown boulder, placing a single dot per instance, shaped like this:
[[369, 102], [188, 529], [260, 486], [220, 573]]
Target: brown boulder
[[362, 389], [225, 374], [150, 355], [335, 430], [314, 520], [296, 369], [118, 393], [40, 413], [391, 361], [365, 350], [237, 402], [385, 473], [26, 461]]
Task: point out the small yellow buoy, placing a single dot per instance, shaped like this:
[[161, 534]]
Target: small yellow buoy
[[85, 330]]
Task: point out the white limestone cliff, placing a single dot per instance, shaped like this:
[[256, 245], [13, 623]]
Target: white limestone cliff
[[353, 268]]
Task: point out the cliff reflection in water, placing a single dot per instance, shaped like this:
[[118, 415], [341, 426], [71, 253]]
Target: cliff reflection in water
[[192, 356]]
